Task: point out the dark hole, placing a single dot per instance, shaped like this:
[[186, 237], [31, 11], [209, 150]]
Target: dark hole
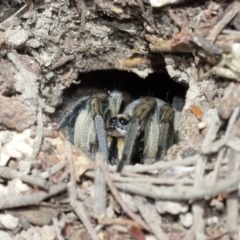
[[158, 85]]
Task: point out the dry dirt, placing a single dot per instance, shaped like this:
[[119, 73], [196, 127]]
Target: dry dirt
[[51, 190]]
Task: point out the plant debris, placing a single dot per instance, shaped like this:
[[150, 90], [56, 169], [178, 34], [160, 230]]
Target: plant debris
[[51, 190]]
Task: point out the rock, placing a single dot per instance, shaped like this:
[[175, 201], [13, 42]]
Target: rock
[[171, 207], [186, 219], [16, 37], [6, 236], [15, 114], [9, 221]]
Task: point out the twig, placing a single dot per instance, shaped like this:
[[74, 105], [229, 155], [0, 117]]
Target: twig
[[31, 199], [232, 120], [141, 178], [218, 164], [146, 179], [229, 14], [15, 14], [73, 185], [231, 32], [62, 61], [197, 207], [149, 213], [57, 229], [234, 143], [189, 235], [199, 224], [77, 206], [54, 169], [206, 45], [162, 45], [144, 14], [9, 173], [118, 197], [161, 165], [38, 134], [83, 14], [100, 188], [78, 6], [119, 221], [229, 184], [208, 145], [211, 134], [232, 200], [81, 213]]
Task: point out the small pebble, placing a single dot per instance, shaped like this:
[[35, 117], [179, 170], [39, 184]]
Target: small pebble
[[9, 221], [186, 219], [201, 125], [212, 221]]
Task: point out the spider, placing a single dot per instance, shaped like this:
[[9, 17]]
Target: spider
[[85, 121], [96, 124]]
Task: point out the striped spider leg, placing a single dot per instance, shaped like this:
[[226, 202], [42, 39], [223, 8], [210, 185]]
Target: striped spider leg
[[86, 121]]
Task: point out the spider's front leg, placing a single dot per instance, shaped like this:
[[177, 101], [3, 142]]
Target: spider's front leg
[[96, 103], [139, 110], [89, 126], [166, 134]]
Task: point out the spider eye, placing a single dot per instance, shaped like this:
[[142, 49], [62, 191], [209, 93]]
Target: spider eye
[[113, 120], [123, 121]]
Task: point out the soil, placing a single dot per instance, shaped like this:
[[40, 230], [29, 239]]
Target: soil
[[52, 52]]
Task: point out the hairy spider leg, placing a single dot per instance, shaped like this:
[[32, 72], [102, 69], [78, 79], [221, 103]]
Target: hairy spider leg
[[112, 106], [178, 104], [139, 110], [166, 135], [151, 134], [96, 104], [67, 120], [85, 136], [115, 102]]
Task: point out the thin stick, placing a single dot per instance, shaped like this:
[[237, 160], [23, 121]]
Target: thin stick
[[54, 169], [211, 133], [232, 200], [229, 14], [218, 164], [229, 184], [162, 165], [9, 173], [77, 206], [100, 188], [118, 197], [38, 134], [197, 208], [31, 199], [149, 213], [119, 221], [81, 213], [15, 14], [141, 178]]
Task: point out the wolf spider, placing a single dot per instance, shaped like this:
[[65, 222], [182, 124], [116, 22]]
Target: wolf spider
[[95, 123]]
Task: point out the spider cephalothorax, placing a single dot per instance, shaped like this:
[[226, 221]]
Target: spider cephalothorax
[[98, 126]]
